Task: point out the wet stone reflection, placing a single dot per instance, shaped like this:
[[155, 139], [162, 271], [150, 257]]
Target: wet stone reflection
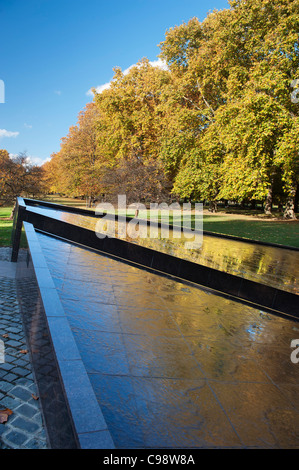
[[265, 264], [172, 364]]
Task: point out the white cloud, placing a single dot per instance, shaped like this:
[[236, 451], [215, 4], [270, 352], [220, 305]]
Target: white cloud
[[37, 160], [31, 159], [98, 89], [155, 63], [159, 63], [5, 133], [28, 126]]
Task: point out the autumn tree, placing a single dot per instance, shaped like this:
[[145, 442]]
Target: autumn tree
[[53, 176], [232, 76], [130, 130], [74, 170], [218, 123], [131, 117], [18, 176], [138, 180]]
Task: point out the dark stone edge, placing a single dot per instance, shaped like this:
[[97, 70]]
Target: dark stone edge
[[88, 421]]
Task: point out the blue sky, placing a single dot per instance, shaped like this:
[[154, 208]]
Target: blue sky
[[53, 51]]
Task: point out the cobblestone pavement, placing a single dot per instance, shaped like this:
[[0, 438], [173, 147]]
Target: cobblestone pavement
[[18, 392]]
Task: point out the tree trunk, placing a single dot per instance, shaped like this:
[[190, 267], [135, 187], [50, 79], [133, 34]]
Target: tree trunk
[[213, 206], [289, 210], [296, 200], [268, 201], [13, 211]]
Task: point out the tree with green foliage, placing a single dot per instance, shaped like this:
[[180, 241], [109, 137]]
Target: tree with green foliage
[[232, 78]]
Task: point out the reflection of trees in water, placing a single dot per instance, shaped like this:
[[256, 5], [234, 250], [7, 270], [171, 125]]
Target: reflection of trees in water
[[265, 264], [277, 267], [226, 339], [269, 265]]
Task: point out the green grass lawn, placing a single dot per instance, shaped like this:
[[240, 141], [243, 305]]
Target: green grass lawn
[[6, 228]]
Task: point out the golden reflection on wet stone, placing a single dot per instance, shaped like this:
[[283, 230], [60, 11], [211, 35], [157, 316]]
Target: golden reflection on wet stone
[[272, 266], [173, 365]]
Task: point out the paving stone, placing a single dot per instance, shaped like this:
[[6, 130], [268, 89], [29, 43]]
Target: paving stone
[[16, 438], [24, 428], [36, 443], [14, 343], [26, 382], [22, 363], [10, 377], [10, 402], [6, 367], [13, 335], [25, 424], [21, 371], [20, 392], [6, 386], [3, 373], [2, 430], [13, 330], [28, 411]]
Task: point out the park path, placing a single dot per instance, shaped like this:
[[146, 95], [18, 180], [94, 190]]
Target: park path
[[18, 392]]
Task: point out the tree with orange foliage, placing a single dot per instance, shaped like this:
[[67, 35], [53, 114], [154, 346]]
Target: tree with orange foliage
[[74, 170], [18, 176]]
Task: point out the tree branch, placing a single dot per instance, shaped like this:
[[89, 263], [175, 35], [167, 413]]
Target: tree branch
[[205, 101]]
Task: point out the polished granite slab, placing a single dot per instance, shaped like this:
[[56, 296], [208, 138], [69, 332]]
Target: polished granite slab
[[173, 365], [269, 265], [260, 294]]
